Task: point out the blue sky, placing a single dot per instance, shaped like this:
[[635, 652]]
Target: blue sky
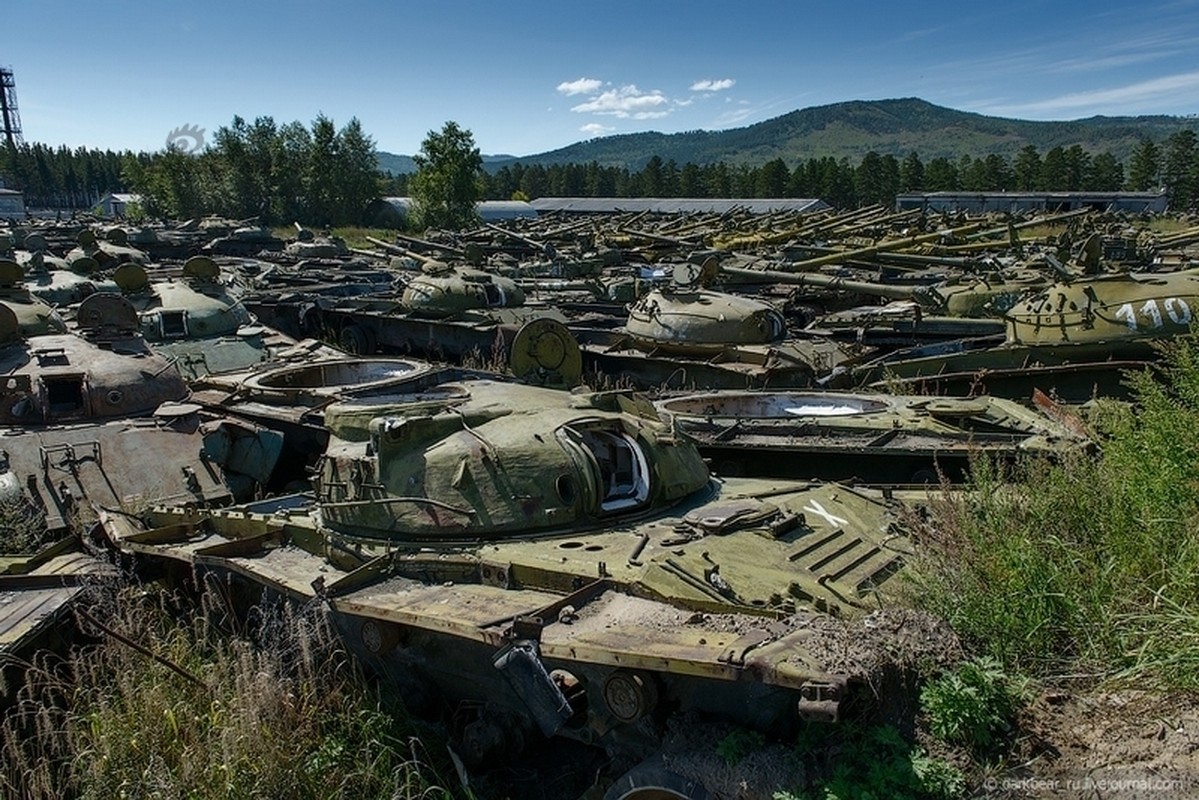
[[526, 77]]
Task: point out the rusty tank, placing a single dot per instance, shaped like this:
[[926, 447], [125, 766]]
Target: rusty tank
[[94, 422]]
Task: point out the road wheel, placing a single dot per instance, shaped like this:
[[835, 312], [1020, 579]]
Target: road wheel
[[651, 780]]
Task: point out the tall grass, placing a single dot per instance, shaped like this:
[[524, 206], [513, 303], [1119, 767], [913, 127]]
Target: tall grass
[[1090, 565], [206, 715], [22, 530]]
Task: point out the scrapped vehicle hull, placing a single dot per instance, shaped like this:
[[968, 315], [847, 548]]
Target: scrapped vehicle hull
[[874, 438]]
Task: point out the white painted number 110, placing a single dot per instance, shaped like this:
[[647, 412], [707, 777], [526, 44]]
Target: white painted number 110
[[1176, 309]]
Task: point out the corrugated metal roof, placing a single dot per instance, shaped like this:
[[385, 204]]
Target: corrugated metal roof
[[666, 205], [488, 209]]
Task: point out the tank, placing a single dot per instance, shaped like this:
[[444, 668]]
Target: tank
[[60, 282], [34, 316], [244, 241], [442, 291], [553, 564], [872, 438], [1074, 339], [195, 319], [94, 422], [309, 245], [686, 335], [106, 253]]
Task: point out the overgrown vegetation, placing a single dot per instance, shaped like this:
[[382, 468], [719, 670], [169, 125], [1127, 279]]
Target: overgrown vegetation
[[973, 705], [1088, 566], [22, 531], [208, 715], [875, 762]]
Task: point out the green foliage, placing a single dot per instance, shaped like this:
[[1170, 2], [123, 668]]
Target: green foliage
[[973, 705], [449, 179], [271, 173], [876, 763], [738, 744], [285, 715], [1090, 564]]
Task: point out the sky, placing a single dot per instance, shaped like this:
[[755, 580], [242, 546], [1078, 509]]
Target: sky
[[527, 77]]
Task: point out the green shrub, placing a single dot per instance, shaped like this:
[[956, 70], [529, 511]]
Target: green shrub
[[973, 705], [877, 762], [738, 744]]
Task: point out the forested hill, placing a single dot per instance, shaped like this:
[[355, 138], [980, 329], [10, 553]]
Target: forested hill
[[852, 129]]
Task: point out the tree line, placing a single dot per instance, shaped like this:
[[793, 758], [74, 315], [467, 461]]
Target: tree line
[[1173, 165], [268, 172], [61, 177], [329, 176], [272, 173]]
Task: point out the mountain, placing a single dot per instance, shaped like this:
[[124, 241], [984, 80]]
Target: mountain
[[852, 129]]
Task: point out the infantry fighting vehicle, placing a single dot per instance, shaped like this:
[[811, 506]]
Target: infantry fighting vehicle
[[560, 564]]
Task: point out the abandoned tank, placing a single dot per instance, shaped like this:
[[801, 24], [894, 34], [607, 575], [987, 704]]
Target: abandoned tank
[[195, 319], [687, 335], [1074, 340], [541, 563], [95, 422]]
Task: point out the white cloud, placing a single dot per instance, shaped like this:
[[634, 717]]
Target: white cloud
[[713, 86], [733, 117], [581, 86], [595, 129], [625, 102], [1179, 88]]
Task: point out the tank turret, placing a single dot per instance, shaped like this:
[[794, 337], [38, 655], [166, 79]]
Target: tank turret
[[34, 316], [194, 318], [442, 290]]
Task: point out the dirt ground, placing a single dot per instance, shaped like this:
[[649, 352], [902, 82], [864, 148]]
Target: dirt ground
[[1104, 744]]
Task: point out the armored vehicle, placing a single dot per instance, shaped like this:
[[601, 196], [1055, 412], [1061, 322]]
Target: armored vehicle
[[559, 564], [34, 316], [450, 313], [309, 245], [106, 253], [245, 241], [1074, 339], [686, 335], [96, 421], [195, 319], [873, 438]]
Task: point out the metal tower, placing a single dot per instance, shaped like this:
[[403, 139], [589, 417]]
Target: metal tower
[[8, 108]]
